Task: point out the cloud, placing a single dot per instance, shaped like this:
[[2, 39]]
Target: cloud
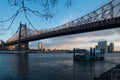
[[84, 39], [33, 44]]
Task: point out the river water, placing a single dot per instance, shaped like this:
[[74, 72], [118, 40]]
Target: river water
[[52, 66]]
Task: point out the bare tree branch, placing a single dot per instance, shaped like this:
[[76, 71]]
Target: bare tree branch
[[46, 5]]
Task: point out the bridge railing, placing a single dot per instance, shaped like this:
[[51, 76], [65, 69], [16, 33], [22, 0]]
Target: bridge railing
[[109, 10]]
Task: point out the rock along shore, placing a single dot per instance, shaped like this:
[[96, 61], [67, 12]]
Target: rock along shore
[[112, 74]]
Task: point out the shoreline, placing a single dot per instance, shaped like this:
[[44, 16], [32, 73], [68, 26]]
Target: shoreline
[[13, 52], [29, 52], [112, 74]]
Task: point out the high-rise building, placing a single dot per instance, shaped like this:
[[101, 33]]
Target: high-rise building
[[40, 46], [1, 42], [103, 45], [111, 48]]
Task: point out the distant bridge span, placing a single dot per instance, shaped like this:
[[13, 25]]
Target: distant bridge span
[[106, 17]]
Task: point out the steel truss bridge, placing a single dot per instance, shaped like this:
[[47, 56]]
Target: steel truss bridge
[[105, 17]]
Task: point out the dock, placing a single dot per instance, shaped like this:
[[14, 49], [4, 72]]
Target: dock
[[88, 56]]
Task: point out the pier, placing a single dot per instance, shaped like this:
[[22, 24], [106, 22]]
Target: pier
[[88, 56]]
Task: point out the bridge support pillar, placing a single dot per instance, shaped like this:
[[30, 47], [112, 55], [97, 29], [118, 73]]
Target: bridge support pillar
[[2, 48], [22, 46]]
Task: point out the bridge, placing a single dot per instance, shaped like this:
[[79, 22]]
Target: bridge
[[105, 17]]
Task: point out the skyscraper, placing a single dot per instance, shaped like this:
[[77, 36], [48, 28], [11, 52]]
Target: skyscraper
[[111, 48], [40, 46], [103, 45]]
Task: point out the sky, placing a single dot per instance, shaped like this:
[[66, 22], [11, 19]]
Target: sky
[[62, 15]]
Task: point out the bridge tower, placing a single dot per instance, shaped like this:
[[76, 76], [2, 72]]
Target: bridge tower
[[22, 33]]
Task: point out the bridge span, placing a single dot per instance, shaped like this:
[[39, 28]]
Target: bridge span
[[106, 17]]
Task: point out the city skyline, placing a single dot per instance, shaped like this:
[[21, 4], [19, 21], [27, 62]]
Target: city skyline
[[84, 40], [104, 45]]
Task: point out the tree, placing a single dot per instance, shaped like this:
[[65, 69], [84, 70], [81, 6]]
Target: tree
[[46, 7]]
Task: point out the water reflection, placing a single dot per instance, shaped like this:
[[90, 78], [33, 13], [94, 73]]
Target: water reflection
[[23, 66], [14, 66], [90, 69]]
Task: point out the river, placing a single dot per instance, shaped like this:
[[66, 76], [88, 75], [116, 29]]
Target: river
[[52, 66]]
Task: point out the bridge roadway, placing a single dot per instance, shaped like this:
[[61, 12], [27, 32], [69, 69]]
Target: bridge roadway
[[94, 26]]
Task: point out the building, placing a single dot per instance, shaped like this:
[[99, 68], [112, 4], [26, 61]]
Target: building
[[1, 42], [111, 48], [12, 47], [103, 45], [40, 46]]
